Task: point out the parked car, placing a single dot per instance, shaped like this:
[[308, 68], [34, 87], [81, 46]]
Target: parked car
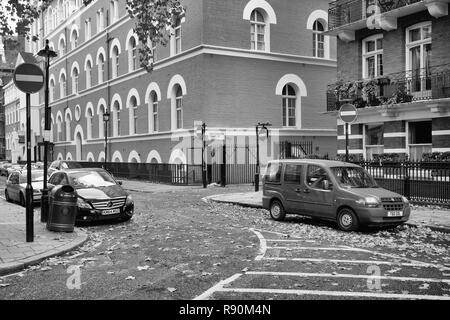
[[16, 186], [4, 168], [100, 196], [34, 166], [12, 168], [63, 165], [331, 190]]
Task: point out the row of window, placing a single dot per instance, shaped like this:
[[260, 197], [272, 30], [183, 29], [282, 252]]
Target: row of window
[[12, 116], [418, 54]]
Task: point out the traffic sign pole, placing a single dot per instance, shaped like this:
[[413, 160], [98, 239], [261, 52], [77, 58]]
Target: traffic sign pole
[[348, 114], [346, 142], [28, 78], [29, 187]]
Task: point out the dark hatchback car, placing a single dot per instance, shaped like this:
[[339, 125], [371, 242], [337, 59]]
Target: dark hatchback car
[[100, 196]]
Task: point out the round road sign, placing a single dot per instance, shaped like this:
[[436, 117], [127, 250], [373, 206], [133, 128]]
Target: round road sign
[[347, 113], [28, 78]]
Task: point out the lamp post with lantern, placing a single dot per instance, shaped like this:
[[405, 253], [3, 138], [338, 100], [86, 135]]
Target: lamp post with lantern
[[106, 116], [262, 126]]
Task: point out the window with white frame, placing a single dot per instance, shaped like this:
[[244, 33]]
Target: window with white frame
[[68, 121], [116, 119], [418, 56], [177, 34], [101, 68], [115, 62], [101, 122], [257, 31], [372, 56], [132, 54], [374, 140], [62, 85], [154, 99], [62, 47], [114, 11], [289, 98], [51, 90], [74, 39], [100, 20], [318, 39], [179, 106], [89, 124], [87, 29], [88, 74], [75, 75], [134, 115]]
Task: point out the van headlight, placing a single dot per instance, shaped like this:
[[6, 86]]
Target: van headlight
[[83, 204], [370, 202], [129, 201]]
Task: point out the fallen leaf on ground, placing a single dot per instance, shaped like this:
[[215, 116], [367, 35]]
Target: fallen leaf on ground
[[171, 289], [2, 285], [45, 268], [143, 268], [130, 278]]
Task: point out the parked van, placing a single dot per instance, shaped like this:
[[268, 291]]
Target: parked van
[[331, 190]]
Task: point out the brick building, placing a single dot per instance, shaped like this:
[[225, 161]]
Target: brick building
[[394, 66], [230, 64]]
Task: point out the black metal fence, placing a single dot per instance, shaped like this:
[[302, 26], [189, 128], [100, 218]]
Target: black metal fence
[[421, 182], [295, 149], [179, 174]]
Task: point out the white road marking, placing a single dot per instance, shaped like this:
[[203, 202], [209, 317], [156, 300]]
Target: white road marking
[[3, 198], [347, 261], [218, 287], [343, 275], [336, 293], [315, 248], [262, 245]]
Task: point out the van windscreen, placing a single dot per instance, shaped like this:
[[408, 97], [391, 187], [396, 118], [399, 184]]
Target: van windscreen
[[354, 177]]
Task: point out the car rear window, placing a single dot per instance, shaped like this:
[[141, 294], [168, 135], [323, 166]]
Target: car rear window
[[273, 172]]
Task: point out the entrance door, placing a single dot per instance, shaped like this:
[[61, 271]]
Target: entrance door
[[318, 201]]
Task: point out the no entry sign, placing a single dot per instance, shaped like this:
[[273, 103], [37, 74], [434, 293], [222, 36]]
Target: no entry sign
[[348, 113], [28, 78]]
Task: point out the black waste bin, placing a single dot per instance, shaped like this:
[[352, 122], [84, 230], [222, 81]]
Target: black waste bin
[[63, 209]]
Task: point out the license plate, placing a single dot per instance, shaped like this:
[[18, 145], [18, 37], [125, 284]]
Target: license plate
[[395, 213], [110, 211]]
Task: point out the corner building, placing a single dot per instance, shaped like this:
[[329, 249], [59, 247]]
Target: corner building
[[230, 64]]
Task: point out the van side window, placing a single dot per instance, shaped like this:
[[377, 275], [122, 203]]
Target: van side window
[[273, 173], [292, 173], [315, 175]]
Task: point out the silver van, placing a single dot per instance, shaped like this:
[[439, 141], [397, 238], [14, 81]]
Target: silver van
[[331, 190]]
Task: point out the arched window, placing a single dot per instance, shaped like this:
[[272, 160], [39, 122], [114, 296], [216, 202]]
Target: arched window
[[257, 31], [132, 54], [115, 62], [101, 68], [116, 119], [74, 39], [62, 85], [133, 114], [318, 39], [58, 128], [68, 121], [179, 107], [154, 102], [89, 123], [88, 74], [289, 102], [75, 75], [114, 11], [62, 47], [101, 123], [51, 89]]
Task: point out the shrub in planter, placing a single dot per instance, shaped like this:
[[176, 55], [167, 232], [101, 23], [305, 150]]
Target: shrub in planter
[[351, 157], [436, 156], [390, 157]]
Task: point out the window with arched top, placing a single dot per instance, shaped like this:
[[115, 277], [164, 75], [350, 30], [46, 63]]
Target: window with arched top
[[288, 106], [101, 68], [134, 116], [89, 117], [179, 106], [75, 76], [88, 74], [74, 39], [62, 85], [115, 62], [257, 30], [51, 89], [154, 103], [318, 39], [101, 123], [62, 47], [116, 119], [68, 122], [132, 54]]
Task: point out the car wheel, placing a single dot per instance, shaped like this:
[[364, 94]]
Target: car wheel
[[277, 211], [22, 200], [347, 220]]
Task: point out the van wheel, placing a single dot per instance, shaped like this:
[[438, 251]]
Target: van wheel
[[347, 220], [277, 211]]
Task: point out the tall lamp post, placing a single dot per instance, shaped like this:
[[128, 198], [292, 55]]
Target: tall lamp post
[[105, 120], [47, 53], [263, 126]]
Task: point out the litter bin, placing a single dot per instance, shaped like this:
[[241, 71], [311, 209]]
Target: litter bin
[[63, 209]]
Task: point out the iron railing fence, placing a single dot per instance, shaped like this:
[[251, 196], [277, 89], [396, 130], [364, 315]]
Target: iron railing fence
[[421, 182], [401, 87], [348, 11]]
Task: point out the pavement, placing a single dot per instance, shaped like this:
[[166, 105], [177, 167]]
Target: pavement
[[433, 217], [17, 254]]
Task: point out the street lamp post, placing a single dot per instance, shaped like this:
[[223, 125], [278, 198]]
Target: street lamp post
[[105, 120], [263, 126], [47, 53], [203, 155]]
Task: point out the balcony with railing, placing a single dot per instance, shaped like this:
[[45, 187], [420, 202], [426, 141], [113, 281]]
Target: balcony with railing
[[403, 87]]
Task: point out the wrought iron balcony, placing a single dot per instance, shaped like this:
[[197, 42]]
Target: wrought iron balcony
[[395, 88], [348, 11]]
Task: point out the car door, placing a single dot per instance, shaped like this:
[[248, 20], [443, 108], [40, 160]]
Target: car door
[[318, 201], [293, 188]]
